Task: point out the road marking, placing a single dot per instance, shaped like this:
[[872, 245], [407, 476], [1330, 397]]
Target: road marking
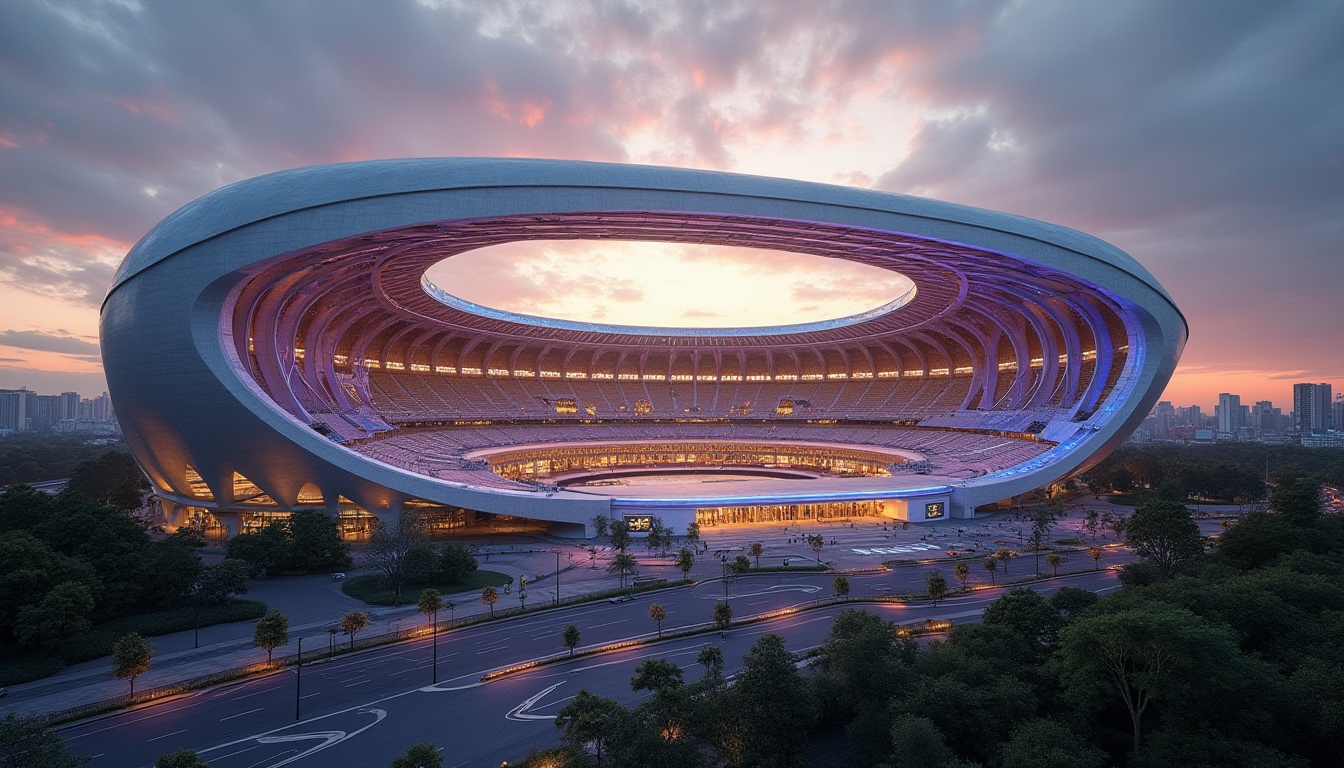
[[608, 624], [328, 738], [240, 714], [358, 682], [519, 712], [166, 735]]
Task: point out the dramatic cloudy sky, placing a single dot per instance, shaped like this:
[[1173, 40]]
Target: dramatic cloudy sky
[[1204, 138]]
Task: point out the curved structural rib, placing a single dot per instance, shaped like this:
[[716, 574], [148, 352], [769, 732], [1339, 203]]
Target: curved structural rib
[[275, 345]]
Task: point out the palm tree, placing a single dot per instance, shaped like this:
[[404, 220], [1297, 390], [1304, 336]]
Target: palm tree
[[1054, 560], [723, 616], [991, 565], [489, 596], [1095, 553], [963, 573], [623, 564], [658, 613], [756, 549]]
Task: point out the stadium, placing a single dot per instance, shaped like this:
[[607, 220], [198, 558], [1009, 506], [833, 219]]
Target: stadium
[[276, 345]]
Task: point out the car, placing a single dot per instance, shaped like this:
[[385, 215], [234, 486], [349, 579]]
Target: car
[[620, 599], [338, 577]]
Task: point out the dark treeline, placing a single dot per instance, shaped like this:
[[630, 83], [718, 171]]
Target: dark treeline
[[307, 542], [28, 458], [1221, 471], [1222, 655], [73, 560]]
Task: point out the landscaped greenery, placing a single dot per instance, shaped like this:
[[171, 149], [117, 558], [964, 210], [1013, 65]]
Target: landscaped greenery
[[20, 664], [30, 458], [372, 589], [1232, 656], [77, 571]]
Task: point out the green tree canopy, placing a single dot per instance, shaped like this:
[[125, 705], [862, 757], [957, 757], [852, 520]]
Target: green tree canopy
[[1164, 534], [272, 632], [28, 742], [419, 755]]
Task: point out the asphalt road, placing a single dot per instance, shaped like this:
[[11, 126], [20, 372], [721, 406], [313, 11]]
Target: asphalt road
[[363, 709]]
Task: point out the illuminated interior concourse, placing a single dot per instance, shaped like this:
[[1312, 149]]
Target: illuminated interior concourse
[[283, 330]]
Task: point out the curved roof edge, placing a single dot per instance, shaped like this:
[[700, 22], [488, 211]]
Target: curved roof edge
[[275, 194]]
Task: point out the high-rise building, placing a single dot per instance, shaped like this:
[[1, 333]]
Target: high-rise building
[[69, 406], [1231, 414], [1337, 412], [1311, 408], [15, 409], [1164, 418], [1265, 418]]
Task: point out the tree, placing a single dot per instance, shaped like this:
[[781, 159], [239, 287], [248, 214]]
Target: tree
[[489, 596], [815, 542], [352, 622], [655, 675], [601, 525], [395, 552], [61, 615], [1151, 653], [620, 535], [1005, 556], [693, 533], [113, 479], [936, 586], [774, 704], [220, 582], [841, 585], [1257, 540], [623, 564], [1028, 615], [265, 551], [429, 604], [711, 658], [1164, 534], [685, 562], [1045, 743], [130, 658], [181, 758], [421, 564], [587, 721], [1042, 521], [1054, 560], [570, 637], [722, 616], [315, 542], [658, 613], [757, 549], [919, 742], [28, 742], [659, 538], [272, 632], [1091, 524], [1095, 553], [991, 565], [740, 565], [420, 755], [456, 563], [963, 573], [1298, 502]]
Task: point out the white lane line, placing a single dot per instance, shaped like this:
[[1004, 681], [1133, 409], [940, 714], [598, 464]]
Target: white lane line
[[520, 712], [492, 649], [308, 696], [608, 624], [361, 682], [166, 735], [240, 714]]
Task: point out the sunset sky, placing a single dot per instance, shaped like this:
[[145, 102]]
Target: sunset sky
[[1204, 138]]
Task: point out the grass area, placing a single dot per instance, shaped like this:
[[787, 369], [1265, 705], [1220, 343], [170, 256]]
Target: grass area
[[810, 567], [370, 589], [21, 665]]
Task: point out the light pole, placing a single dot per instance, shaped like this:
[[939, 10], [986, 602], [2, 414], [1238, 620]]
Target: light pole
[[331, 642], [298, 679], [557, 577], [434, 634]]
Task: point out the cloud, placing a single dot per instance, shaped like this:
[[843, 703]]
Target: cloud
[[50, 342]]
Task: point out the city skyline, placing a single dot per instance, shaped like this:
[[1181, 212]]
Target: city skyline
[[1146, 125]]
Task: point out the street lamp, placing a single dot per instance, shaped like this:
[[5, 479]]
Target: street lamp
[[557, 577], [298, 679], [331, 643]]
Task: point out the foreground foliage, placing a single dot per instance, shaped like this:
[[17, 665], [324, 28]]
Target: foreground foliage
[[1218, 656]]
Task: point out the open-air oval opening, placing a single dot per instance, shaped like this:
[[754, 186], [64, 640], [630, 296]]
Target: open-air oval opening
[[664, 288]]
